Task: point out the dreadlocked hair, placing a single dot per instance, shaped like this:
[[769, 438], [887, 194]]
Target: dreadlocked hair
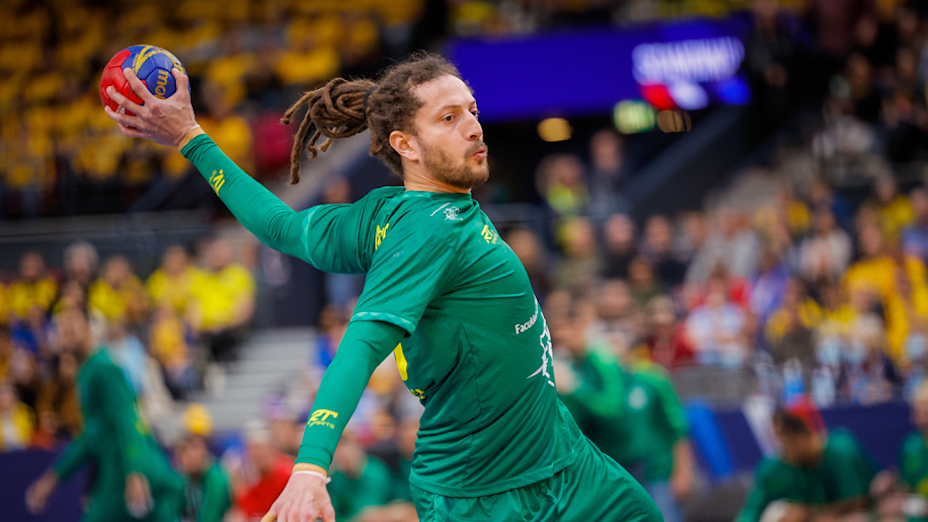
[[342, 108]]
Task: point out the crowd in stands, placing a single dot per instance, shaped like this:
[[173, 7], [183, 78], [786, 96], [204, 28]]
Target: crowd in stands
[[165, 333]]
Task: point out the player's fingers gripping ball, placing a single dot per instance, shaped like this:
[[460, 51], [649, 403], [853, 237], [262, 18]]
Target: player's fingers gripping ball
[[153, 67]]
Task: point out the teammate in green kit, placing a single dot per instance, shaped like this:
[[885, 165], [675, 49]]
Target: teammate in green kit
[[818, 477], [133, 479], [630, 411], [907, 494], [443, 293], [207, 489]]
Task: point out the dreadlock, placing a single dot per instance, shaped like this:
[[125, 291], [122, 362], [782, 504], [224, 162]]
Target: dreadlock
[[342, 108]]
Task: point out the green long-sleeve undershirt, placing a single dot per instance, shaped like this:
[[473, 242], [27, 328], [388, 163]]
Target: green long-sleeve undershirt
[[365, 343]]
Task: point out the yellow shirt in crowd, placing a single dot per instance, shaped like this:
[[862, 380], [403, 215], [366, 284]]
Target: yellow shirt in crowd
[[112, 302], [173, 291], [22, 421], [167, 342], [23, 295], [810, 315], [880, 274], [220, 295]]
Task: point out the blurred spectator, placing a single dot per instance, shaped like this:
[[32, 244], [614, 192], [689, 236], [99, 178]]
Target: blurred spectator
[[560, 182], [822, 195], [717, 328], [906, 313], [117, 293], [168, 345], [80, 263], [642, 282], [770, 59], [606, 178], [73, 296], [16, 420], [619, 238], [894, 211], [224, 293], [207, 490], [264, 475], [615, 311], [730, 243], [24, 375], [666, 343], [58, 397], [914, 239], [789, 332], [815, 471], [825, 254], [770, 286], [308, 60], [530, 251], [582, 262], [657, 247], [34, 287], [171, 283], [877, 270], [228, 129], [359, 481], [6, 352]]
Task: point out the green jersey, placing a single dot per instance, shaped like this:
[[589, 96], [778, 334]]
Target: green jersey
[[208, 497], [656, 417], [116, 439], [844, 473], [913, 463], [373, 487], [454, 304]]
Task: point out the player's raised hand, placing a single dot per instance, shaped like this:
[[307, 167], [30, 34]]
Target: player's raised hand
[[38, 493], [305, 499], [164, 121]]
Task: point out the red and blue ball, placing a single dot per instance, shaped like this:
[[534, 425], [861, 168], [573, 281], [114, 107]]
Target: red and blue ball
[[153, 67]]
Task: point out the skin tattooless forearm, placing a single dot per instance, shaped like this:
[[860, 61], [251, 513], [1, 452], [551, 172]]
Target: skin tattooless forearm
[[365, 345], [261, 212]]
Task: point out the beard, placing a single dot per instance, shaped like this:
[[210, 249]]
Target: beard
[[461, 176]]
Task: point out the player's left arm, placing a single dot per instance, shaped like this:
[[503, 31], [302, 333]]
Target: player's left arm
[[121, 419], [683, 474]]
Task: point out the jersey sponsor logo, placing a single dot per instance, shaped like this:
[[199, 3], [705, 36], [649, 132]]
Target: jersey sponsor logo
[[217, 180], [379, 235], [489, 234], [320, 418], [524, 327], [547, 355]]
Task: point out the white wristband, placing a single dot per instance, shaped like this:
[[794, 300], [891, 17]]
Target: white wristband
[[314, 473]]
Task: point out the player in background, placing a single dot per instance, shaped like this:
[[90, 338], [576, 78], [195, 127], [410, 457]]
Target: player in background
[[906, 495], [443, 292], [818, 477], [133, 479]]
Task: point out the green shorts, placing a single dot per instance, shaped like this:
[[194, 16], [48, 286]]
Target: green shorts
[[592, 489]]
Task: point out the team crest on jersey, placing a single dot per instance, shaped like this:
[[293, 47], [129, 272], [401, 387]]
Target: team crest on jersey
[[451, 214]]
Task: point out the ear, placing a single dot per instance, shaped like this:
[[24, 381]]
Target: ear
[[404, 144]]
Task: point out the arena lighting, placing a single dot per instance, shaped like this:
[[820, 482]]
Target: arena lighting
[[554, 129], [674, 121], [633, 116]]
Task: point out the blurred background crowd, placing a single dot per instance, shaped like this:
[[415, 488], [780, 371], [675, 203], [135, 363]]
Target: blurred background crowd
[[798, 272]]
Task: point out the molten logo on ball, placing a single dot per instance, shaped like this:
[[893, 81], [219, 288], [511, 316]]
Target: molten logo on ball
[[153, 67]]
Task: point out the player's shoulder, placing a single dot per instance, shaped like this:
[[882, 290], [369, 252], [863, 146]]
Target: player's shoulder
[[651, 372], [843, 441], [430, 214]]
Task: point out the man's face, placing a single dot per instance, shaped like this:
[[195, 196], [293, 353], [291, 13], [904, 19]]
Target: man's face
[[920, 414], [797, 449], [449, 138]]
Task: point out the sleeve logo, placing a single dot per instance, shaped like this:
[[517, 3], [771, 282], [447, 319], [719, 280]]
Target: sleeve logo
[[489, 234], [379, 235], [320, 418], [217, 180]]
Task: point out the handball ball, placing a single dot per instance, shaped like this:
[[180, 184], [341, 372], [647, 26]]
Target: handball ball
[[151, 64]]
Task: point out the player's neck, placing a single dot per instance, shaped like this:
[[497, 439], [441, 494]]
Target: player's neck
[[422, 182]]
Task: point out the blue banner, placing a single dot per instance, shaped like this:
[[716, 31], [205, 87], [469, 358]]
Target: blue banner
[[685, 65]]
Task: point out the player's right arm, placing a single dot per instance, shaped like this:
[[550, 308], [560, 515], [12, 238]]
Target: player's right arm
[[324, 236]]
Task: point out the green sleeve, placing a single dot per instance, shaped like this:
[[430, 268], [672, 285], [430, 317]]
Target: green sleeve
[[216, 496], [122, 426], [73, 458], [851, 468], [261, 212], [364, 346], [757, 500], [604, 400], [909, 474], [410, 268]]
